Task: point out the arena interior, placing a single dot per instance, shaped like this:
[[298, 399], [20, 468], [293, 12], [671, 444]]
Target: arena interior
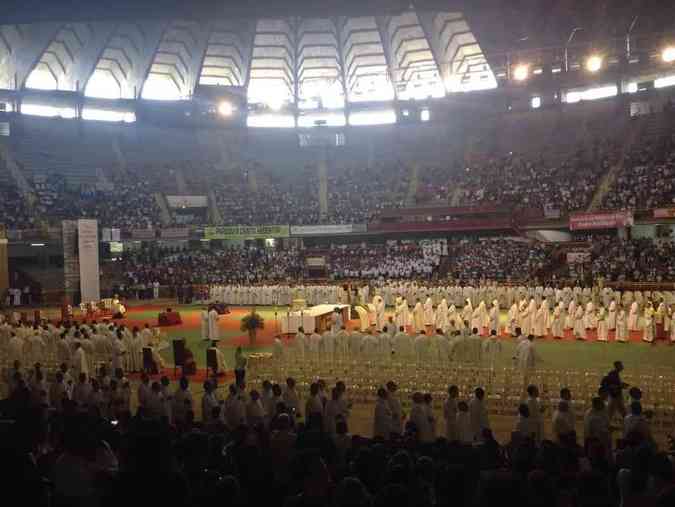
[[385, 253]]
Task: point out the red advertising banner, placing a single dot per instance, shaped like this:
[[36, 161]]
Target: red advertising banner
[[664, 213], [609, 220]]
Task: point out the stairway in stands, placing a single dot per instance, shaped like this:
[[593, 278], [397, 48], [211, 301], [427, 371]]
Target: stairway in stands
[[181, 183], [164, 212], [411, 196], [634, 134], [214, 213]]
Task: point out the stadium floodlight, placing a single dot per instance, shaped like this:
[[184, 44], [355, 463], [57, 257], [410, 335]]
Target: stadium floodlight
[[521, 72], [275, 102], [225, 109], [594, 63], [668, 54]]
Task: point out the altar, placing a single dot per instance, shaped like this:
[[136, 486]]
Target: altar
[[316, 317]]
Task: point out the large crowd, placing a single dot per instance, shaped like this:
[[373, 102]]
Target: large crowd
[[129, 203], [13, 208], [172, 267], [647, 178], [639, 260], [358, 194], [537, 183], [498, 259], [96, 438], [394, 259]]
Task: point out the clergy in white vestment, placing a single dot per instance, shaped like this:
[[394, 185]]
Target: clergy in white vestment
[[621, 331], [570, 316], [220, 358], [442, 315], [299, 344], [314, 345], [513, 319], [205, 324], [648, 324], [418, 317], [420, 418], [79, 361], [557, 323], [395, 408], [455, 322], [579, 324], [467, 312], [603, 329], [214, 332], [589, 316], [492, 350], [611, 316], [563, 421], [421, 348], [531, 314], [633, 317], [477, 317], [494, 318], [527, 358], [450, 414], [380, 316], [382, 423], [540, 320], [478, 414], [429, 317]]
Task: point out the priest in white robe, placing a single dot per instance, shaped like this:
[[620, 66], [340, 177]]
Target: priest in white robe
[[418, 317], [214, 332], [540, 320], [633, 317], [442, 315], [429, 317], [557, 322], [621, 331], [611, 316], [380, 317], [494, 318], [205, 324]]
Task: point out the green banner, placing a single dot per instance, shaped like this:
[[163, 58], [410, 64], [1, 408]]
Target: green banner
[[247, 232]]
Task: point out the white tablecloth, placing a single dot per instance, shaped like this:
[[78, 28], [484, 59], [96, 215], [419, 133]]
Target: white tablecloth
[[291, 321]]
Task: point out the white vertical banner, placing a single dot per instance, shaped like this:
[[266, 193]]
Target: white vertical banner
[[87, 242]]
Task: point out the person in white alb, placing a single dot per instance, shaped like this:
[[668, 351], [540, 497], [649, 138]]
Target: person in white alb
[[382, 424], [450, 414]]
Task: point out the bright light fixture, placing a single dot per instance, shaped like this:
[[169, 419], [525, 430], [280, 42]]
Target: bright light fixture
[[225, 109], [594, 63], [668, 54], [521, 72], [275, 102]]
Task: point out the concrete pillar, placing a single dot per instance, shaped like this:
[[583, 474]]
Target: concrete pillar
[[4, 262], [322, 169]]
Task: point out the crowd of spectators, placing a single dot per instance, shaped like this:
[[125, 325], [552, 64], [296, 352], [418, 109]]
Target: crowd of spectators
[[357, 195], [393, 259], [171, 267], [497, 259], [13, 209], [647, 178], [636, 260], [520, 183], [129, 203], [78, 442]]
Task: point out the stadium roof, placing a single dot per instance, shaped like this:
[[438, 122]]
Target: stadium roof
[[360, 50]]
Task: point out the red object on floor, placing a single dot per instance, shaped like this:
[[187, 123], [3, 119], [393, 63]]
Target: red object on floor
[[169, 319]]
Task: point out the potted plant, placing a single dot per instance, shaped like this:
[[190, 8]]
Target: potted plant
[[251, 323]]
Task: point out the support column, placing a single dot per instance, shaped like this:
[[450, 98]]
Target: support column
[[4, 262], [322, 169]]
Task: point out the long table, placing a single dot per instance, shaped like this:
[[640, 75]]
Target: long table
[[316, 317]]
